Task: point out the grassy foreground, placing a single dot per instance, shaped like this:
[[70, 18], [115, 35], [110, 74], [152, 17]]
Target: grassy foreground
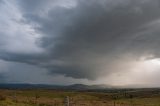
[[79, 98]]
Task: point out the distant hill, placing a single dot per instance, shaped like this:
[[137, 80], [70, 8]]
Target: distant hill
[[45, 86], [66, 87], [89, 87]]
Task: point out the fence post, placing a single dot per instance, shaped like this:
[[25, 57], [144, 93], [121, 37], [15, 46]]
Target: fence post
[[114, 103], [66, 102], [15, 97]]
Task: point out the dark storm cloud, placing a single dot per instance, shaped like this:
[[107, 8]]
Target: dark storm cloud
[[92, 38]]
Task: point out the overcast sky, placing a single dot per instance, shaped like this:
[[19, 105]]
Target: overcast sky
[[115, 42]]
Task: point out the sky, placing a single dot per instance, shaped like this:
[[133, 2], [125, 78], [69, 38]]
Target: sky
[[112, 42]]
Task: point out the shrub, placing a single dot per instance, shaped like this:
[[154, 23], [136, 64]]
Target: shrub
[[2, 98]]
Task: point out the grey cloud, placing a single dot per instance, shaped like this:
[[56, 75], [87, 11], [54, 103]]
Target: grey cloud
[[32, 6], [93, 38], [1, 1], [2, 78]]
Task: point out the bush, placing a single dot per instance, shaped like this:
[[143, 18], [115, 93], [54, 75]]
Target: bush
[[2, 98]]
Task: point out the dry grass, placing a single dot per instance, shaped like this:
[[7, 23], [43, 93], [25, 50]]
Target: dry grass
[[56, 98]]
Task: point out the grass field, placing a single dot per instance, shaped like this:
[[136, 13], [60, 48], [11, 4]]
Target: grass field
[[149, 97]]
